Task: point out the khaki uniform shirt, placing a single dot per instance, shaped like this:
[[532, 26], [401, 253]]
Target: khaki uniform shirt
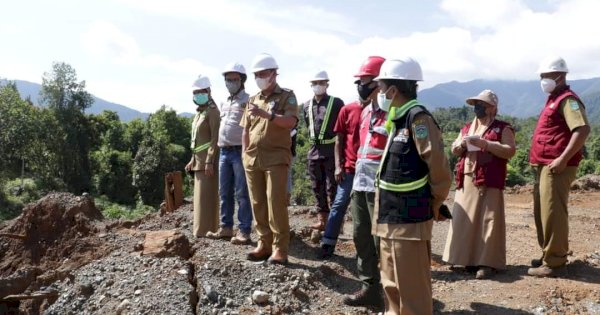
[[573, 112], [430, 146], [205, 129], [269, 144]]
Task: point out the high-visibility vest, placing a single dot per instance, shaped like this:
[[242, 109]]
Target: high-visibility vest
[[311, 124], [396, 113]]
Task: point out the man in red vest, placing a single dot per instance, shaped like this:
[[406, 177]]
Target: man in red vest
[[556, 150], [373, 137]]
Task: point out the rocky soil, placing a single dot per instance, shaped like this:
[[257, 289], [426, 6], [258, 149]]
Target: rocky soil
[[61, 257]]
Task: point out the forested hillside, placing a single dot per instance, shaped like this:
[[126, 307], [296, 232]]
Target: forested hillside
[[59, 146]]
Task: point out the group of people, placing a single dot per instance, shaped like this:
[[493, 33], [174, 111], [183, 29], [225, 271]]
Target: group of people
[[382, 155]]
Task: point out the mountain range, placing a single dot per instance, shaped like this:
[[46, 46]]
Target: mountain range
[[516, 98]]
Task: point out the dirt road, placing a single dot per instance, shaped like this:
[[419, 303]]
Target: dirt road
[[216, 279]]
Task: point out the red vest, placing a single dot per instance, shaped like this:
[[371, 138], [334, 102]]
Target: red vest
[[490, 170], [373, 136], [552, 134]]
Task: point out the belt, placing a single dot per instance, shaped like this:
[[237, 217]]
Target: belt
[[231, 147]]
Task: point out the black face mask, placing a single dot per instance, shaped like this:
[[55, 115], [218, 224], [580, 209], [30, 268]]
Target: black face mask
[[479, 110], [364, 90]]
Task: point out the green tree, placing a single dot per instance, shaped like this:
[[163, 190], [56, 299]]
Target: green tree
[[67, 99], [18, 130], [112, 174], [134, 134]]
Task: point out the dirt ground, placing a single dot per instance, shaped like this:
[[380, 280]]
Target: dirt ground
[[218, 280]]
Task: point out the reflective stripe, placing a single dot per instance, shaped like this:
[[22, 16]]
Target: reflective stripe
[[391, 128], [201, 147], [369, 150], [397, 113], [403, 187], [311, 122]]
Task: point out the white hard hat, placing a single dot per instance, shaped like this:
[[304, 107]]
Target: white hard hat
[[201, 83], [553, 64], [234, 67], [263, 62], [401, 69], [320, 76]]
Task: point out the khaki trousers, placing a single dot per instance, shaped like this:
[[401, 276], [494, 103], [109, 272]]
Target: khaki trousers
[[406, 276], [550, 199], [206, 203], [268, 194]]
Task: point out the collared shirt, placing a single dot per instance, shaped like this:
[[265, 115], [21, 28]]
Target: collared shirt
[[321, 151], [269, 144], [205, 128], [232, 111]]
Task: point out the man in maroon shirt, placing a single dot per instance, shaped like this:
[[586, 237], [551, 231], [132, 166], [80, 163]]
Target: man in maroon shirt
[[347, 129]]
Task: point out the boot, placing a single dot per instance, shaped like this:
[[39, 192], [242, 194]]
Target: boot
[[241, 238], [546, 271], [223, 232], [321, 221], [371, 296]]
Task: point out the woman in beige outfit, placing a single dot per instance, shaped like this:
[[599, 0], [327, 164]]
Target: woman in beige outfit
[[477, 235], [205, 158]]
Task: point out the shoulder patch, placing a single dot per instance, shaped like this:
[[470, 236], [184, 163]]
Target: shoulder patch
[[574, 105], [421, 131], [287, 90], [292, 100]]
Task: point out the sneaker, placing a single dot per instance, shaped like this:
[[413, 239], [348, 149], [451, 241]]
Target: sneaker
[[223, 232], [545, 271], [327, 251], [370, 296], [484, 272], [241, 238]]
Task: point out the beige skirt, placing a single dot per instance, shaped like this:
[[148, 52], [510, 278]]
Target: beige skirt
[[206, 203], [477, 235]]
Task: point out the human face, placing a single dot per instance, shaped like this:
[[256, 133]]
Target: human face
[[233, 77], [264, 74]]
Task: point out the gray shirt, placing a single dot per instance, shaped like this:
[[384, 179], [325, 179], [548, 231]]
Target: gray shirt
[[230, 131]]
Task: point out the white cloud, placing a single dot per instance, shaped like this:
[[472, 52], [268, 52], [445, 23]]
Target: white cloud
[[498, 39], [169, 79]]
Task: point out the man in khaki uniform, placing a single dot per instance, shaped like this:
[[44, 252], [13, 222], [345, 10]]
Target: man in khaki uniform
[[266, 143], [555, 153], [412, 182], [205, 157]]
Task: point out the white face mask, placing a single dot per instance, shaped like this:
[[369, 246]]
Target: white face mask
[[319, 89], [383, 102], [263, 83], [548, 85]]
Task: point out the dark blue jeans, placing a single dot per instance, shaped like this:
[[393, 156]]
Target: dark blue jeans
[[338, 210], [232, 178]]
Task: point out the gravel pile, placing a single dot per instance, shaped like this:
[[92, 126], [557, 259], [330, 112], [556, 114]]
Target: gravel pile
[[128, 284]]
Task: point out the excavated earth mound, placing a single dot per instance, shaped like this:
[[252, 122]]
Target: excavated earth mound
[[52, 232]]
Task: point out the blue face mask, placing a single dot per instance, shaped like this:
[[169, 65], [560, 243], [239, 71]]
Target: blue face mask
[[201, 98]]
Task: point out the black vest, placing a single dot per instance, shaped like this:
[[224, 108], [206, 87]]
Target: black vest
[[401, 165]]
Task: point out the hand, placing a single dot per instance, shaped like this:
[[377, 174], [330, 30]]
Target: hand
[[208, 170], [188, 167], [557, 166], [257, 111], [478, 142], [463, 143], [339, 174]]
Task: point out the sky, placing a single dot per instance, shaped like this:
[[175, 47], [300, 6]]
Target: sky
[[146, 53]]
